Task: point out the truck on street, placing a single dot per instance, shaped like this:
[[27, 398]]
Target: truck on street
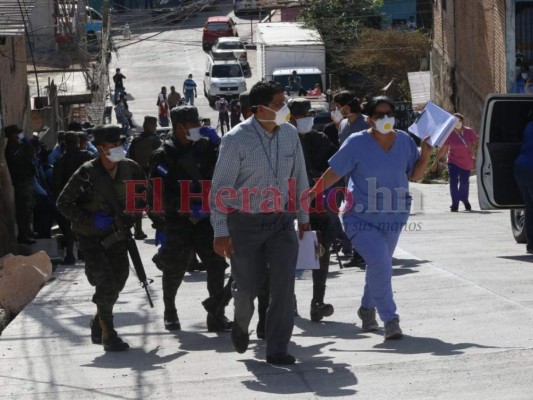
[[283, 47]]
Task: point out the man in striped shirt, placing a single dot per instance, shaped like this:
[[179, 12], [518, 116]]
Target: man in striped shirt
[[259, 180]]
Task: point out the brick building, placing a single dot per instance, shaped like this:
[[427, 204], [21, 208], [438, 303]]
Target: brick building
[[474, 51]]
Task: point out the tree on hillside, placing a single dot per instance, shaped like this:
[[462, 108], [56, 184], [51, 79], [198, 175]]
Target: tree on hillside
[[384, 55], [340, 23]]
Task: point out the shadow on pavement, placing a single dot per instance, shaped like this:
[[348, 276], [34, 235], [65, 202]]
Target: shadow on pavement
[[134, 359], [313, 373], [328, 329], [422, 345], [194, 341], [524, 258]]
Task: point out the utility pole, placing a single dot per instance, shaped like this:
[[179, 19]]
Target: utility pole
[[105, 15], [81, 16]]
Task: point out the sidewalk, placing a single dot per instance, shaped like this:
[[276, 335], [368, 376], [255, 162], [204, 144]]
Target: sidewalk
[[465, 306]]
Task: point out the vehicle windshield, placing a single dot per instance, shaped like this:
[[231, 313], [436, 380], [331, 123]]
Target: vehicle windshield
[[227, 71], [218, 26], [230, 46]]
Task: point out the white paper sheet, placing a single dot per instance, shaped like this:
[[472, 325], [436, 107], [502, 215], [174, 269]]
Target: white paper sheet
[[434, 122], [308, 251]]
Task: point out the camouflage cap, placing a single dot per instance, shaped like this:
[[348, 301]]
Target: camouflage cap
[[299, 106], [148, 119], [184, 114], [108, 134]]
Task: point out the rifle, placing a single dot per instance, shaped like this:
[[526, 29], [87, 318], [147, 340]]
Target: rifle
[[104, 184]]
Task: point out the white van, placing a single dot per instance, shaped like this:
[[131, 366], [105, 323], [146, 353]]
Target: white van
[[223, 77], [500, 141]]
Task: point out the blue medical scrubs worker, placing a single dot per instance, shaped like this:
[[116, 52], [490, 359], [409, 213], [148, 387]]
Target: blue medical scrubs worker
[[380, 162]]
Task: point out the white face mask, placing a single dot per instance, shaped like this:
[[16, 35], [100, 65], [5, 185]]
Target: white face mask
[[194, 134], [281, 115], [524, 75], [21, 135], [116, 154], [458, 125], [304, 125], [336, 116], [385, 125]]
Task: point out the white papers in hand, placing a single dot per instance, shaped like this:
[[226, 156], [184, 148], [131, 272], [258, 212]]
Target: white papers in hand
[[308, 251], [435, 123]]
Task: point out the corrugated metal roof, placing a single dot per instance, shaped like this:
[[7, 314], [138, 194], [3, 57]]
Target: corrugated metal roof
[[287, 34], [420, 85], [11, 17]]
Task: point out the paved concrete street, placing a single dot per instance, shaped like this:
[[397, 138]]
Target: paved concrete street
[[462, 285]]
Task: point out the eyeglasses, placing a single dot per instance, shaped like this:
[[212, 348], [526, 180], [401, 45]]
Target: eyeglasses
[[379, 115]]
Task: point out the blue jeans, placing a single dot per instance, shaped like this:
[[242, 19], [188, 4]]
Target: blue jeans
[[376, 245], [118, 92], [189, 97], [459, 184], [524, 178]]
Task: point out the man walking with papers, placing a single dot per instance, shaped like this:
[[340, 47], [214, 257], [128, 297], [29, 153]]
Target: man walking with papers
[[461, 147], [251, 218]]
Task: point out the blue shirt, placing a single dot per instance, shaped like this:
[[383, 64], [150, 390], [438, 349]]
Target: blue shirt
[[379, 181], [189, 85], [251, 159], [346, 128]]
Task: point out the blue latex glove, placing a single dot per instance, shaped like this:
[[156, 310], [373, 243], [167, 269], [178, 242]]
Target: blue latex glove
[[160, 238], [103, 221], [211, 134], [197, 213]]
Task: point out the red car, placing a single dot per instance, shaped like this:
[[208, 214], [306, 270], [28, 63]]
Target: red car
[[216, 27]]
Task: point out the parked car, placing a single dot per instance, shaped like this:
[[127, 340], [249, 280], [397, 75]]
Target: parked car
[[231, 45], [500, 141], [216, 27], [223, 77]]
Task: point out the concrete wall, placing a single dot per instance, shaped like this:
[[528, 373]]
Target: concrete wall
[[15, 109], [469, 55]]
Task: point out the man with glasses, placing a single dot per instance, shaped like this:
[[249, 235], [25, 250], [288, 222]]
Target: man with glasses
[[252, 219]]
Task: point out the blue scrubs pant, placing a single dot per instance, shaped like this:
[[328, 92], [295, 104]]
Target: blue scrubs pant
[[376, 244]]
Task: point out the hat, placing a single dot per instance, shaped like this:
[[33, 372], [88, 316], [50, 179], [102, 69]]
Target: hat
[[299, 106], [74, 126], [12, 130], [108, 134], [149, 119], [184, 114], [71, 137]]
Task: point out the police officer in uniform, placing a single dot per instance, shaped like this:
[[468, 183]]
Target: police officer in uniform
[[20, 161], [317, 149], [85, 204], [140, 150], [187, 158]]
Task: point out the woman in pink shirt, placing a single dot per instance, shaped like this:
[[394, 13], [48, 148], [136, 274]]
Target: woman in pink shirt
[[461, 146]]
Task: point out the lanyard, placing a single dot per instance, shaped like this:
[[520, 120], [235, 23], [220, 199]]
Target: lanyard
[[274, 172]]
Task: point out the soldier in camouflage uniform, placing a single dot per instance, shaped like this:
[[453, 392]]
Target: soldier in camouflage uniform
[[20, 160], [187, 158], [93, 220], [140, 150]]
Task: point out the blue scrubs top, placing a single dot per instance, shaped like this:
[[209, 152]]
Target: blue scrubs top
[[379, 181]]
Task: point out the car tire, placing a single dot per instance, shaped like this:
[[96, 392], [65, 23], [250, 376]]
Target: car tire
[[517, 225]]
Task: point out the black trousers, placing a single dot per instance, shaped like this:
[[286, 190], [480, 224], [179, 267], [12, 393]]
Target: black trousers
[[185, 236]]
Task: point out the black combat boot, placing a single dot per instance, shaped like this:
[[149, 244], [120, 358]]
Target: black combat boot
[[216, 323], [96, 330], [110, 340], [171, 320], [320, 310]]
